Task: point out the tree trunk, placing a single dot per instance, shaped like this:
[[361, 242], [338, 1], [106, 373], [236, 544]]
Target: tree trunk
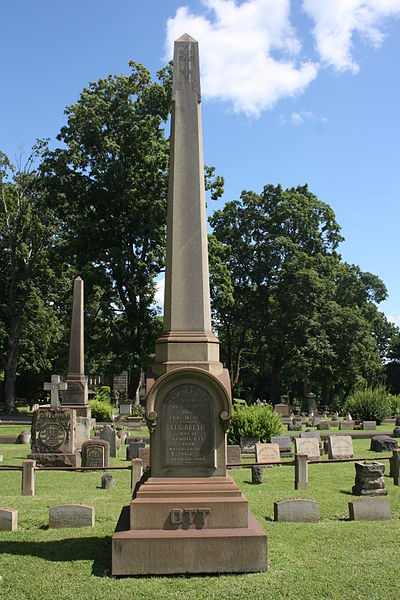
[[10, 371], [276, 379], [133, 383]]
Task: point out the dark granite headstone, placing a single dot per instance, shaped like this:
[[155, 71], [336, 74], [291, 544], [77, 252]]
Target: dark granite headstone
[[285, 444], [132, 450], [233, 456]]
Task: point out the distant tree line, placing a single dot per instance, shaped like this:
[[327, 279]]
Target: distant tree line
[[289, 312]]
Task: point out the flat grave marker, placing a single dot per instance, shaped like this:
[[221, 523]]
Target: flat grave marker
[[369, 509], [71, 515], [296, 510]]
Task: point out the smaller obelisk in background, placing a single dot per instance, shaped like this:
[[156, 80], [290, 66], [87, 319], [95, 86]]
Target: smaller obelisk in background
[[76, 395]]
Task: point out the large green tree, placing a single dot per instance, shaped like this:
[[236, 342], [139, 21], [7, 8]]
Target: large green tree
[[109, 183], [287, 308], [28, 235]]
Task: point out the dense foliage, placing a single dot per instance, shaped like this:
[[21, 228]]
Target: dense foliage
[[108, 182], [290, 313], [370, 404], [253, 421]]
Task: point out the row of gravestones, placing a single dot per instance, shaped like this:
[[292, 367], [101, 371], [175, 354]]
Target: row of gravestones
[[309, 443], [63, 515], [307, 511], [297, 423], [292, 510]]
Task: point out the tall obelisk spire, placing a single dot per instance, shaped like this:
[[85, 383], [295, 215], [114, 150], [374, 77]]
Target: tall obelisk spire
[[76, 393], [187, 323]]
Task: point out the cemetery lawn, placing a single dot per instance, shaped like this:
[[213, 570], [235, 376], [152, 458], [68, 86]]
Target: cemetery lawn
[[334, 559]]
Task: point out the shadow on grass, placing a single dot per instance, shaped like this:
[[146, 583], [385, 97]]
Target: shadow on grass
[[347, 493], [97, 549]]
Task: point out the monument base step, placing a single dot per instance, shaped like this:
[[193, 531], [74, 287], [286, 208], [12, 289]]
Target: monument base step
[[197, 503], [45, 459], [166, 552]]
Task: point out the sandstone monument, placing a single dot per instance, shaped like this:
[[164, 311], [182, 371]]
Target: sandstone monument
[[76, 394], [189, 516]]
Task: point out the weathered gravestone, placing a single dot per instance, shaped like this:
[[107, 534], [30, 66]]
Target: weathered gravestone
[[323, 426], [383, 443], [285, 444], [346, 425], [233, 456], [107, 481], [396, 432], [71, 515], [369, 509], [8, 519], [257, 474], [296, 510], [369, 425], [95, 453], [144, 455], [132, 450], [24, 437], [282, 409], [295, 425], [308, 446], [109, 434], [189, 516], [55, 386], [369, 479], [312, 434], [268, 453], [53, 437], [340, 446], [248, 444]]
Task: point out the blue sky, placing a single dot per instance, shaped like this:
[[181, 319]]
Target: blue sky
[[295, 92]]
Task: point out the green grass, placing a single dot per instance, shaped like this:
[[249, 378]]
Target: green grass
[[334, 559]]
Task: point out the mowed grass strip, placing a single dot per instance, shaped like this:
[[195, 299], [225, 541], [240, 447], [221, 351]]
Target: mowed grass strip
[[335, 559]]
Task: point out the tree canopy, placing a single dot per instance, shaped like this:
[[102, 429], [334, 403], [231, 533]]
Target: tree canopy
[[289, 312], [109, 184]]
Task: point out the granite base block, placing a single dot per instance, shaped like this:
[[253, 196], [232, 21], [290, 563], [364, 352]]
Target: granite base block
[[168, 552]]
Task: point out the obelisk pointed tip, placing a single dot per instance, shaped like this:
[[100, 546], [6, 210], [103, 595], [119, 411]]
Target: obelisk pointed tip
[[79, 278], [186, 38]]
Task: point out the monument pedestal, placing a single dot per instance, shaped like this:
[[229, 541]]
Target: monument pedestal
[[188, 525]]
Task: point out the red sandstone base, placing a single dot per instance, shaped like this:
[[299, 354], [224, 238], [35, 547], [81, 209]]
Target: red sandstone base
[[163, 552], [188, 525]]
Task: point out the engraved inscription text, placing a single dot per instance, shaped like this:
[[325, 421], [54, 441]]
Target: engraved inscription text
[[188, 424]]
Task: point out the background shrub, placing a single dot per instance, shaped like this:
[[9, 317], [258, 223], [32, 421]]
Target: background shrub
[[138, 411], [254, 421], [369, 404], [101, 410]]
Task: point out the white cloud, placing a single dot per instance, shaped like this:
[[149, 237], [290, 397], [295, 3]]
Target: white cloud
[[298, 118], [248, 52], [251, 55], [393, 319], [337, 21]]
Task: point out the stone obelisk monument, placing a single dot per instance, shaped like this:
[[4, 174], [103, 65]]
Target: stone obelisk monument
[[76, 395], [189, 516]]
